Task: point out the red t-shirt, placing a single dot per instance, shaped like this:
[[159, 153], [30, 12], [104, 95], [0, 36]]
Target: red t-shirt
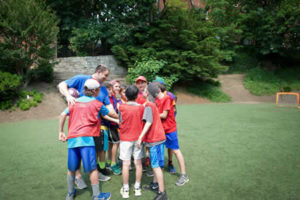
[[156, 132], [83, 119], [163, 104], [131, 125], [140, 99]]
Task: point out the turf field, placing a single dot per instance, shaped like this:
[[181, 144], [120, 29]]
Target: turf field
[[232, 151]]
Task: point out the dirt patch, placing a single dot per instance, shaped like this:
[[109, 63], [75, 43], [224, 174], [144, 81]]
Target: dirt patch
[[51, 106], [232, 84]]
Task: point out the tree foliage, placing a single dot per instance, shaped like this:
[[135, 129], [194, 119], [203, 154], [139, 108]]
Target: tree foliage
[[27, 38]]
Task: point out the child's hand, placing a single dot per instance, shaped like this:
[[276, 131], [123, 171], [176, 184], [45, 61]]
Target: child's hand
[[138, 143], [62, 137]]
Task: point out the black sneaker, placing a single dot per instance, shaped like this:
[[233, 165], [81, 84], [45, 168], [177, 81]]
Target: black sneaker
[[161, 196], [104, 171], [152, 187]]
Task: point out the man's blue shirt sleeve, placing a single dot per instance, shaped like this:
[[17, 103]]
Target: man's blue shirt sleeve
[[103, 111]]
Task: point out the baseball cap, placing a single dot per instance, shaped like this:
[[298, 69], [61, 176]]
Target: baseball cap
[[140, 78], [153, 91], [91, 84], [159, 80]]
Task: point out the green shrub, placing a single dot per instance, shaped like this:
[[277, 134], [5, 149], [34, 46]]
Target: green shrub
[[9, 85], [150, 68], [34, 103], [210, 90], [38, 97], [4, 105], [25, 104]]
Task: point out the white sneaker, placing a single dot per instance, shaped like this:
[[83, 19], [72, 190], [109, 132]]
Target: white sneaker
[[124, 193], [137, 191], [102, 177]]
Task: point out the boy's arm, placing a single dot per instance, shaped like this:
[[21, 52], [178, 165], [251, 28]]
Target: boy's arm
[[164, 114], [107, 117], [144, 131], [63, 89], [61, 136]]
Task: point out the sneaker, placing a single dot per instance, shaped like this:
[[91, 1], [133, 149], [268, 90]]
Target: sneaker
[[124, 193], [102, 196], [116, 170], [70, 196], [161, 196], [137, 191], [171, 169], [104, 171], [108, 167], [150, 174], [79, 182], [183, 179], [152, 187], [102, 177]]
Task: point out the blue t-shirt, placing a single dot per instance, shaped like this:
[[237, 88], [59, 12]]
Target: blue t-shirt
[[78, 81], [84, 141]]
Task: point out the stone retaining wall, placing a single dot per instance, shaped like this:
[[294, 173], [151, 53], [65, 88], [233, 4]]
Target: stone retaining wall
[[70, 66]]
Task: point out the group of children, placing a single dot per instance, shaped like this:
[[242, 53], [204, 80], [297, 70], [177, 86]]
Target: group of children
[[145, 120]]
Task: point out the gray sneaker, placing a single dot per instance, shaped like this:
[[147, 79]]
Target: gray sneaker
[[102, 177], [70, 196], [183, 179], [80, 183], [150, 173]]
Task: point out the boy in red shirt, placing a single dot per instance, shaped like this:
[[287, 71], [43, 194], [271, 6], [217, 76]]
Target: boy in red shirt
[[167, 116], [131, 126], [153, 135], [84, 124], [141, 83]]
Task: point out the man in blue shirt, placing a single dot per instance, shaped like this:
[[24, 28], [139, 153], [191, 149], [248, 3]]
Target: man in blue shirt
[[101, 143]]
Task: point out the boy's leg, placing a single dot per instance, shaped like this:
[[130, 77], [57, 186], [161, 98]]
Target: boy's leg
[[74, 160], [103, 149], [125, 156], [89, 160], [180, 160]]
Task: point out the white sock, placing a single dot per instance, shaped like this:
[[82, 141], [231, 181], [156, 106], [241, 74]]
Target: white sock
[[137, 185], [126, 186]]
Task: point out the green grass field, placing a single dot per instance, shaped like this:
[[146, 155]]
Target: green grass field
[[232, 151]]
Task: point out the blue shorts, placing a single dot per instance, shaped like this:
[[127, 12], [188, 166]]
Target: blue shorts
[[86, 154], [157, 155], [172, 141]]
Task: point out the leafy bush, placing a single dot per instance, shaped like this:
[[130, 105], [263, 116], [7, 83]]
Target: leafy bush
[[4, 105], [9, 86], [28, 35], [210, 90], [38, 97], [25, 104]]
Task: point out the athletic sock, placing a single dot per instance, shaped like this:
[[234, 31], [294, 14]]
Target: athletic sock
[[137, 185], [170, 162], [96, 190], [70, 180], [109, 162], [126, 186], [113, 163], [101, 165]]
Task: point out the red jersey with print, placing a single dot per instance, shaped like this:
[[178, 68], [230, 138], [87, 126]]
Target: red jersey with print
[[140, 99], [163, 104], [156, 132], [83, 119], [131, 122]]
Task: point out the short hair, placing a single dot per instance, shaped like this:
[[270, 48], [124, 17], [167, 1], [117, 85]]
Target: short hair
[[108, 85], [122, 87], [88, 92], [162, 87], [101, 68], [131, 92]]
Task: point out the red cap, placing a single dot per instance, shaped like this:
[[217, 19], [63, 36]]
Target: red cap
[[140, 78], [114, 82]]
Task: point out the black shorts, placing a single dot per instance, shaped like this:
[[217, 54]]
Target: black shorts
[[114, 134], [100, 141]]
